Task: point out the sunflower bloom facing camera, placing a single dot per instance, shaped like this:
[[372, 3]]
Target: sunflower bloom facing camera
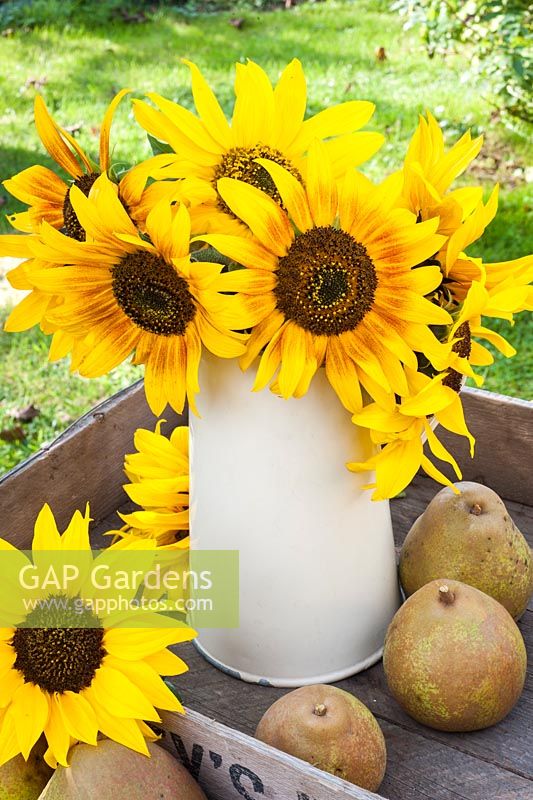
[[267, 122], [332, 281], [84, 676], [130, 294]]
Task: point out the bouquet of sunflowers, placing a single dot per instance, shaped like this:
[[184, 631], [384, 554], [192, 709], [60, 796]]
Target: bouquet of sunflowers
[[259, 239]]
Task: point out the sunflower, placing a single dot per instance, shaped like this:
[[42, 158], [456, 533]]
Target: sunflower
[[72, 683], [47, 195], [462, 351], [159, 472], [267, 122], [331, 280], [400, 429], [45, 192], [129, 294], [428, 173]]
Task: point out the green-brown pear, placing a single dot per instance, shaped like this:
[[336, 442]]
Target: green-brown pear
[[110, 771], [25, 780], [469, 537], [454, 658], [330, 729]]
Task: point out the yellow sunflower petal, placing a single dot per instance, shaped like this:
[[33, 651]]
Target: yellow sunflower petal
[[262, 215], [292, 194], [156, 371], [28, 313], [118, 695], [37, 182], [321, 187], [290, 99], [261, 335], [293, 359], [78, 717], [124, 731], [439, 451], [30, 711], [166, 663], [12, 681], [106, 129], [46, 535], [217, 343], [270, 360], [147, 680], [334, 121], [209, 108], [52, 140], [342, 374], [56, 733], [390, 479], [109, 350], [253, 113], [137, 643], [494, 338], [9, 746], [351, 150], [431, 470], [452, 418], [242, 251], [187, 123]]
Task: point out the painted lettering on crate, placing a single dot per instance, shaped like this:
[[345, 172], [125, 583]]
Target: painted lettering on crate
[[193, 763], [236, 773]]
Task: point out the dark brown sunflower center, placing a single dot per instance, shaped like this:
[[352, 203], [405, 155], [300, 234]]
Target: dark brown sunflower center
[[463, 347], [59, 659], [326, 282], [71, 223], [152, 294], [239, 162]]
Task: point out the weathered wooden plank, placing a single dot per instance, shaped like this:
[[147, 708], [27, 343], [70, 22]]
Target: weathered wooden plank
[[228, 764], [503, 427], [83, 464], [422, 769]]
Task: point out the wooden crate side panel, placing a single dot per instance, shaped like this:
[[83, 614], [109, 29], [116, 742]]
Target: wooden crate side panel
[[503, 460], [85, 464], [229, 764]]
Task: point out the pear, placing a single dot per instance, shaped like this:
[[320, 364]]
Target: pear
[[110, 770], [469, 537], [329, 728], [454, 658], [25, 780]]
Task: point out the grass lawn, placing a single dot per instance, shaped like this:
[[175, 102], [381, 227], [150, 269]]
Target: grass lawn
[[79, 70]]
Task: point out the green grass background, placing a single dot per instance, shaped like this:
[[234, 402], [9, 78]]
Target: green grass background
[[336, 41]]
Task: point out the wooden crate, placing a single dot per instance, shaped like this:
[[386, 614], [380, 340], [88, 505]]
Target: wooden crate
[[214, 739]]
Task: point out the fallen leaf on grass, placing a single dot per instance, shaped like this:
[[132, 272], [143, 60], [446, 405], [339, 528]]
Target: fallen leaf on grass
[[72, 129], [15, 434], [26, 414], [36, 83]]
